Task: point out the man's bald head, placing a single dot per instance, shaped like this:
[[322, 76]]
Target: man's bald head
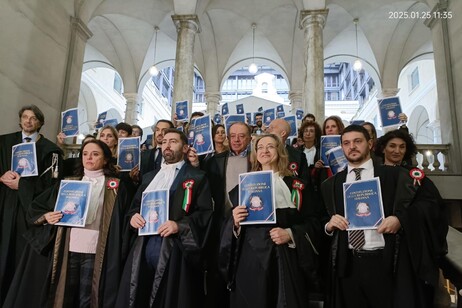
[[279, 127]]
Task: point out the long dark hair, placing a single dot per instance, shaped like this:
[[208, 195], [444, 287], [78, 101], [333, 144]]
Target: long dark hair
[[109, 168]]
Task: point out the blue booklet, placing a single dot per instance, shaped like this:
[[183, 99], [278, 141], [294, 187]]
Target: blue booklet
[[154, 209], [240, 108], [203, 135], [248, 116], [180, 128], [299, 114], [190, 133], [357, 122], [111, 122], [24, 159], [224, 109], [389, 109], [280, 114], [70, 122], [256, 192], [128, 153], [327, 143], [230, 119], [148, 140], [182, 112], [363, 204], [292, 120], [73, 202], [268, 116], [280, 108], [101, 118], [217, 118], [336, 160]]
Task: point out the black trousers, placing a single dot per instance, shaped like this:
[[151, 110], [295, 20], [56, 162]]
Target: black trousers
[[78, 280], [368, 285]]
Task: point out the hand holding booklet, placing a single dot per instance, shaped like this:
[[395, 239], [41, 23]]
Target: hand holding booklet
[[73, 202], [154, 210]]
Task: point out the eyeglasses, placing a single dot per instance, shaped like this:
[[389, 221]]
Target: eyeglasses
[[268, 147]]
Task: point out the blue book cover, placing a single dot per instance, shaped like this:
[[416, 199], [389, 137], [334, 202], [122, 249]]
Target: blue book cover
[[111, 122], [224, 109], [357, 122], [182, 112], [280, 114], [280, 108], [292, 120], [240, 108], [217, 118], [363, 204], [203, 135], [70, 122], [389, 109], [148, 140], [268, 116], [327, 143], [336, 160], [180, 128], [248, 116], [191, 132], [128, 153], [101, 118], [299, 114], [73, 201], [154, 210], [257, 194], [230, 119], [24, 159]]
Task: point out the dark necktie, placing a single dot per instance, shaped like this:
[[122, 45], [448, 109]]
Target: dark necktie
[[158, 161], [356, 237], [28, 139]]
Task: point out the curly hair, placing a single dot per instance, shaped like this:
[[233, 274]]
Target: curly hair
[[317, 131], [382, 142], [283, 157]]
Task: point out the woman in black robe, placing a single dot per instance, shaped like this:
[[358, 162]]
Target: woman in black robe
[[272, 265]]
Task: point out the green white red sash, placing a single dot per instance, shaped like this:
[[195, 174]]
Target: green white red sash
[[296, 196], [187, 186]]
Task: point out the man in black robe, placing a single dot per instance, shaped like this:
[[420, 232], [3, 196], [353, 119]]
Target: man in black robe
[[17, 193], [395, 265], [166, 270]]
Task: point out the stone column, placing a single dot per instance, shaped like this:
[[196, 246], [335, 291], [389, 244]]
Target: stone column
[[131, 110], [296, 100], [312, 22], [213, 101], [78, 39], [187, 26], [389, 92], [445, 84]]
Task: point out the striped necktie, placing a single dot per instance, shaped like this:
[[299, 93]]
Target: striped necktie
[[356, 237]]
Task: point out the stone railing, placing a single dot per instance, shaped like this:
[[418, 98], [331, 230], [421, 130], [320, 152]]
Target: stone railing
[[433, 158], [71, 150]]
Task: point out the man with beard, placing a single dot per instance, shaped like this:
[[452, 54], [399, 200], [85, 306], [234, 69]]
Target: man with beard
[[395, 265], [17, 192], [166, 270], [258, 129]]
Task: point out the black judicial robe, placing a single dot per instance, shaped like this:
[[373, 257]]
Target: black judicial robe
[[43, 266], [15, 203], [413, 253], [178, 281], [263, 274]]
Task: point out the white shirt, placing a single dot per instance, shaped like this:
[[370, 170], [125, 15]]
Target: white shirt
[[310, 153], [374, 240], [33, 137]]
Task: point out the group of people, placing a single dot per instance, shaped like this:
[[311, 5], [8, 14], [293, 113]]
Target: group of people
[[203, 256]]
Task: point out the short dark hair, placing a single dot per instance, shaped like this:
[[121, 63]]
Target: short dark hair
[[138, 127], [164, 121], [124, 126], [196, 114], [258, 114], [38, 114], [411, 148], [309, 115], [109, 168], [183, 137], [355, 128]]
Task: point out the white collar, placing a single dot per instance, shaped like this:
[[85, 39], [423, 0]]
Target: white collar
[[368, 165], [33, 137]]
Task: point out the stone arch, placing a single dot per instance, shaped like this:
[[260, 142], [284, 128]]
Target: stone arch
[[418, 126]]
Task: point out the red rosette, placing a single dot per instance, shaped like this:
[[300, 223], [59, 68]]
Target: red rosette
[[112, 184], [293, 166], [417, 175]]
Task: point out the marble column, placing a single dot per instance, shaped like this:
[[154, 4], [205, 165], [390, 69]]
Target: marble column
[[296, 100], [187, 26], [312, 23], [444, 56], [131, 109], [213, 101], [76, 49], [389, 92]]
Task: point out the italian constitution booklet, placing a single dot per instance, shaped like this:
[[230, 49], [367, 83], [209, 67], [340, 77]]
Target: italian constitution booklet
[[73, 202], [154, 210], [389, 108], [128, 153], [203, 135], [182, 112], [363, 204], [24, 159], [268, 116], [292, 120], [101, 118], [240, 108], [328, 142], [256, 192], [231, 119], [336, 160], [70, 122]]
